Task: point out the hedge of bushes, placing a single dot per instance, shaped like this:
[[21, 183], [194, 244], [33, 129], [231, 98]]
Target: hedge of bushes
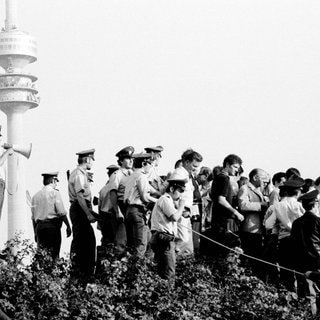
[[204, 289]]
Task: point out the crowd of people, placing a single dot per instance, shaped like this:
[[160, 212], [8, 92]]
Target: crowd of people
[[270, 218]]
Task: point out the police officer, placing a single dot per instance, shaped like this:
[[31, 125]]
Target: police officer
[[154, 178], [138, 197], [83, 246], [111, 203], [48, 213]]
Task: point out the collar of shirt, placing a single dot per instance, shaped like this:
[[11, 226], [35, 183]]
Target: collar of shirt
[[254, 189], [84, 171]]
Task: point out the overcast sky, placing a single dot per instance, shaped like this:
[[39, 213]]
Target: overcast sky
[[218, 76]]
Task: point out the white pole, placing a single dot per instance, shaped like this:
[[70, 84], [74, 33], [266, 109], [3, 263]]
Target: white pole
[[11, 15], [19, 216]]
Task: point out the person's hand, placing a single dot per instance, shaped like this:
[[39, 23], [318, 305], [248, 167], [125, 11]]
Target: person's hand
[[239, 216], [68, 232], [182, 202], [119, 216], [91, 218]]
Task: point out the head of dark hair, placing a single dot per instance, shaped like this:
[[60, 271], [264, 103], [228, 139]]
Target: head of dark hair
[[206, 171], [140, 162], [174, 186], [231, 159], [317, 181], [292, 171], [191, 155], [308, 183], [178, 164], [291, 192], [216, 170], [253, 173], [308, 205], [82, 160], [47, 180], [277, 177]]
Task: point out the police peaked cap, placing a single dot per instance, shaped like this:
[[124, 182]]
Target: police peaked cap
[[126, 152], [309, 196], [86, 153]]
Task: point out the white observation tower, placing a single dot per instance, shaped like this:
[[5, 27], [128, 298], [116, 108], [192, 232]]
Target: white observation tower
[[17, 95]]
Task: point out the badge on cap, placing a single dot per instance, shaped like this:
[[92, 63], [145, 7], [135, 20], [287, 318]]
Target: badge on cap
[[126, 152]]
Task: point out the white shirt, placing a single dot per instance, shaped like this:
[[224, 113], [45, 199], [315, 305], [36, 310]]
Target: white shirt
[[283, 214], [161, 213], [47, 204]]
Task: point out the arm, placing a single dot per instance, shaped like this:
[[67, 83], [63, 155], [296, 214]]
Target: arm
[[178, 213], [83, 204], [244, 201], [144, 189], [114, 203], [223, 202], [270, 221], [66, 222]]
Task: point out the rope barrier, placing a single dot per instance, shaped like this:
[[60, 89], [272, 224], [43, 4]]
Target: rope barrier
[[243, 254]]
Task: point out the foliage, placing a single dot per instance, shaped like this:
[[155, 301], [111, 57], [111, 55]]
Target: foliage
[[32, 286]]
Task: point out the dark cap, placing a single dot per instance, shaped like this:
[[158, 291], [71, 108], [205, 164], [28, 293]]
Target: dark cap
[[112, 167], [154, 149], [50, 174], [178, 182], [86, 153], [142, 155], [126, 152], [309, 196], [296, 182]]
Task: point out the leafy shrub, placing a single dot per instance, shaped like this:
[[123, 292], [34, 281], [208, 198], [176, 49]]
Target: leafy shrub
[[131, 289]]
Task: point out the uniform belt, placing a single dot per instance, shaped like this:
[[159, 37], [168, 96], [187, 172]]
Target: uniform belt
[[48, 220]]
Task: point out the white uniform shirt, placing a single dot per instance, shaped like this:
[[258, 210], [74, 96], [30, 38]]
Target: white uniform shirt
[[282, 214], [78, 182], [47, 204], [137, 188], [162, 211]]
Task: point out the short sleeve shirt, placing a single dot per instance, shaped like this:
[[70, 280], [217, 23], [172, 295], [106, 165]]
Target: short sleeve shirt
[[78, 182], [118, 182], [47, 204], [161, 213], [221, 187]]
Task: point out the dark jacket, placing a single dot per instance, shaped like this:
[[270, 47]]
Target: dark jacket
[[305, 238]]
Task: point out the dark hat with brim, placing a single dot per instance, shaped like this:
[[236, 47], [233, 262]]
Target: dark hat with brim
[[112, 167], [294, 183], [154, 149], [142, 155], [126, 152], [51, 174], [309, 196], [178, 182], [86, 153]]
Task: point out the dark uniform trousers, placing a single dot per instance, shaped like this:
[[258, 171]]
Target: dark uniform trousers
[[137, 230], [48, 234], [113, 231], [83, 245]]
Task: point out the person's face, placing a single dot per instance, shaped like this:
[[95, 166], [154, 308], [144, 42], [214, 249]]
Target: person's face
[[147, 166], [261, 180], [156, 156], [192, 166], [282, 181], [176, 194], [89, 163], [127, 163], [233, 169], [202, 178]]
